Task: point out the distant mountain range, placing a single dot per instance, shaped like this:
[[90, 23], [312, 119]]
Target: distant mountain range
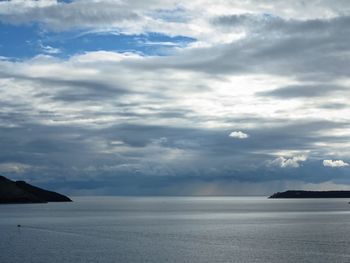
[[19, 192], [311, 194]]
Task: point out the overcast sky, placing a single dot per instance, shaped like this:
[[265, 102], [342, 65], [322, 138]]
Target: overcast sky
[[161, 97]]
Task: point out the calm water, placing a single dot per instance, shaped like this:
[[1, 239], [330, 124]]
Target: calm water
[[176, 229]]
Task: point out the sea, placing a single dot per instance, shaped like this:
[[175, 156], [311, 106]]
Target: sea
[[176, 229]]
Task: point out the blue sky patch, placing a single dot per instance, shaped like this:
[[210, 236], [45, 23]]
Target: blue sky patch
[[26, 41]]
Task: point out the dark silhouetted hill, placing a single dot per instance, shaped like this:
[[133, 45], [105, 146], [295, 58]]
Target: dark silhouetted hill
[[311, 194], [21, 192]]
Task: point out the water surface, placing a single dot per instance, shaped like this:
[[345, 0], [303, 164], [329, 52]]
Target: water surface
[[176, 229]]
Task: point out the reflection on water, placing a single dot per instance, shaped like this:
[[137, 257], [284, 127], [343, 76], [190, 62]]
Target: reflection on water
[[177, 229]]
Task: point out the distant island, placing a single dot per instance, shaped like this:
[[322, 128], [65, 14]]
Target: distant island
[[311, 194], [20, 192]]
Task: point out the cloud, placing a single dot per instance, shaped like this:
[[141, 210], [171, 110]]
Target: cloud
[[64, 118], [148, 124], [63, 16], [283, 162], [238, 135], [278, 48], [304, 91], [49, 50], [335, 163], [193, 18], [11, 167]]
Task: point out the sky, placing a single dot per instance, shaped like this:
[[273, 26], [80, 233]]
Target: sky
[[164, 97]]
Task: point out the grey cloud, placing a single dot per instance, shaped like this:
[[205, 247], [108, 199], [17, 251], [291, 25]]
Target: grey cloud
[[85, 90], [71, 90], [188, 184], [303, 91], [274, 24], [64, 16], [68, 153], [63, 127], [333, 106], [306, 50]]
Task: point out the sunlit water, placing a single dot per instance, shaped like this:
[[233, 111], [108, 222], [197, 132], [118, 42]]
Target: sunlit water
[[176, 229]]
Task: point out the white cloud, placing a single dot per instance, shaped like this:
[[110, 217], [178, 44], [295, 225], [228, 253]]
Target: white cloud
[[239, 135], [17, 168], [293, 162], [117, 143], [335, 163], [49, 50]]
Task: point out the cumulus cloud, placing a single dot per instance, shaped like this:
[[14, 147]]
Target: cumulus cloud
[[293, 162], [238, 135], [335, 163]]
